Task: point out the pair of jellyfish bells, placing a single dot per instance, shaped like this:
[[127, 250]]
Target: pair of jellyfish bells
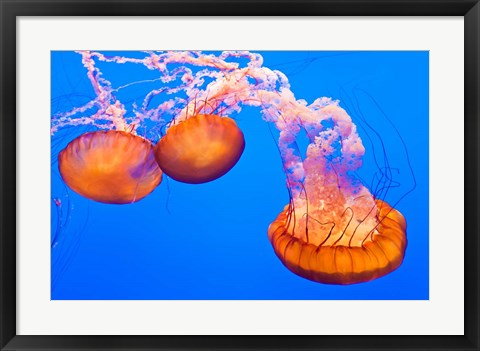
[[119, 168]]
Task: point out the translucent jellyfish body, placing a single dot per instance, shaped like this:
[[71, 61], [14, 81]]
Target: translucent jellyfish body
[[110, 166], [200, 149]]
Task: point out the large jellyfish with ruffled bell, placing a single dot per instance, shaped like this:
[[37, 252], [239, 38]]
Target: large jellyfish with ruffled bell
[[333, 230]]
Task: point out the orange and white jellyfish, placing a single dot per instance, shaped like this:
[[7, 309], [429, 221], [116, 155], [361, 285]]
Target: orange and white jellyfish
[[114, 166], [333, 230]]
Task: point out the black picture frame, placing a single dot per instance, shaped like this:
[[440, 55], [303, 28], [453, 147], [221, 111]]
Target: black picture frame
[[10, 10]]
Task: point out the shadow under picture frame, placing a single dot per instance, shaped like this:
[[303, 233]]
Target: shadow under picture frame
[[11, 11]]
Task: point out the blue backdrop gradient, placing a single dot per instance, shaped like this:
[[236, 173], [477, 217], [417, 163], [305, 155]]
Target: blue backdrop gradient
[[209, 241]]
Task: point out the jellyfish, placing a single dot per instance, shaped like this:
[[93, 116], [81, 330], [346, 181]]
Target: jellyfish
[[112, 167], [332, 230], [200, 149]]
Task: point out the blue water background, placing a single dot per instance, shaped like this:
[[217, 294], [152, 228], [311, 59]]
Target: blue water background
[[209, 241]]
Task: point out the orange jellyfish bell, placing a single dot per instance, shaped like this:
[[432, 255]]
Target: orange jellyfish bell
[[110, 166], [200, 149], [336, 258]]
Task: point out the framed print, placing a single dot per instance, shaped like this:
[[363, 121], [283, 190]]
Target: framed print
[[218, 175]]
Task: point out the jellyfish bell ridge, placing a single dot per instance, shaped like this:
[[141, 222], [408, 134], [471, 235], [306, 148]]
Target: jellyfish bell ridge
[[200, 148], [112, 166]]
